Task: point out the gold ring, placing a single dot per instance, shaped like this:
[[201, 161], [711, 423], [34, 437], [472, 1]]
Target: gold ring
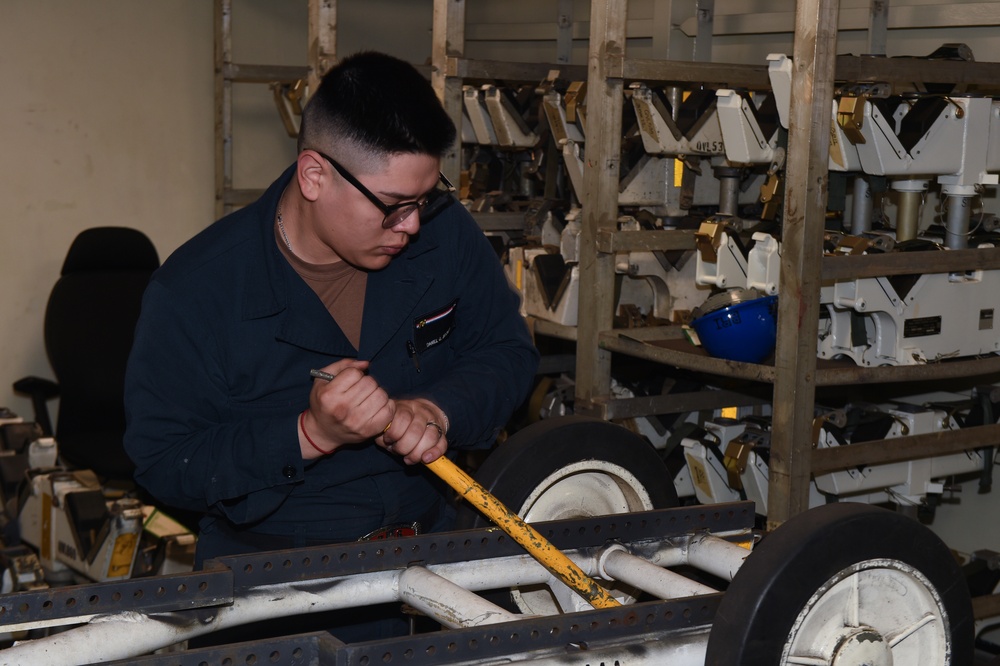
[[439, 428], [386, 429]]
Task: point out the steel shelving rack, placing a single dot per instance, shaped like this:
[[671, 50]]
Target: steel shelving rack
[[322, 55]]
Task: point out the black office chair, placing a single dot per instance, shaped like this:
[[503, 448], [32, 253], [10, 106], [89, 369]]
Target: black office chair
[[89, 325]]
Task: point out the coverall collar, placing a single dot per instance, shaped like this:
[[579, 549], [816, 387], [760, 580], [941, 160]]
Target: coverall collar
[[273, 289]]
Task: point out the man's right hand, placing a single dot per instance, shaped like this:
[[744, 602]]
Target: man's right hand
[[348, 409]]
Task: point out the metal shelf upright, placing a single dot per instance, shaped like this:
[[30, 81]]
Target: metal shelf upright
[[322, 55]]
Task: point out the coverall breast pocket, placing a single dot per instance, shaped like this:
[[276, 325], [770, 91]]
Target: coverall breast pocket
[[430, 330]]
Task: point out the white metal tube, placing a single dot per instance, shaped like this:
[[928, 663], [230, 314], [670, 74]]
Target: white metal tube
[[716, 556], [130, 634], [618, 564], [861, 211], [957, 222], [446, 602], [124, 635], [512, 571], [676, 552]]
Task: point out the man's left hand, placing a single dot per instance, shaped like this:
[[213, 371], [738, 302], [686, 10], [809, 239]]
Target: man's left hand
[[417, 432]]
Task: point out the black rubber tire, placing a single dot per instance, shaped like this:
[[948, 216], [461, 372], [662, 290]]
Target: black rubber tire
[[513, 471], [777, 580]]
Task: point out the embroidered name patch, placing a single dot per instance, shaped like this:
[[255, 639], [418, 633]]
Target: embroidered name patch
[[434, 327]]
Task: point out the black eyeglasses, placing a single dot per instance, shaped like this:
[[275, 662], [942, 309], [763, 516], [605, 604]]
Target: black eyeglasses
[[432, 203]]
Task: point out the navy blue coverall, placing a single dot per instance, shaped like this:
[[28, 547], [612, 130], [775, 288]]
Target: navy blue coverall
[[219, 371]]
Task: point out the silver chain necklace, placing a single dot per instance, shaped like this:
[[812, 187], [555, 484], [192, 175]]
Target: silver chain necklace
[[281, 228]]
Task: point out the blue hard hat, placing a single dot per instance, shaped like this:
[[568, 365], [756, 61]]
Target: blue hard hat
[[736, 327]]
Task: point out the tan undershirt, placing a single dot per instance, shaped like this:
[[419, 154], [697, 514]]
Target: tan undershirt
[[339, 285]]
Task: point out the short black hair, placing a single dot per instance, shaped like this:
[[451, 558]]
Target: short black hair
[[380, 104]]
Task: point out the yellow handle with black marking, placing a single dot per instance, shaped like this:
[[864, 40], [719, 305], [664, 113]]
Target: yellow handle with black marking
[[550, 557]]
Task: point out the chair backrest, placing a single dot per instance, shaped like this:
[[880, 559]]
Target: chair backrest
[[89, 325]]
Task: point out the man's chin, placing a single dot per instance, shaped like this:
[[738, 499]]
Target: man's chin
[[372, 263]]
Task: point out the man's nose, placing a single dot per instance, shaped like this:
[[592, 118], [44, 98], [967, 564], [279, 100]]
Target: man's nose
[[409, 224]]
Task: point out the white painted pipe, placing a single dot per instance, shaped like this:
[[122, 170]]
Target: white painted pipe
[[716, 556], [451, 605], [502, 572], [617, 563], [131, 634]]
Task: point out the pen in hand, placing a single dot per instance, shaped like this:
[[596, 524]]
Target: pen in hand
[[327, 376]]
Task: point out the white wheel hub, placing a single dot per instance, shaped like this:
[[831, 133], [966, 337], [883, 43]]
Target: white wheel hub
[[877, 613], [584, 489], [580, 490], [865, 646]]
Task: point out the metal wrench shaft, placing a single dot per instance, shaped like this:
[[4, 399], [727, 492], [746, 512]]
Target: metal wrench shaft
[[550, 557]]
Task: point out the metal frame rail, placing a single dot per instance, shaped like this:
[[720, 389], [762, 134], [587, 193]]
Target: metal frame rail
[[593, 637], [192, 600]]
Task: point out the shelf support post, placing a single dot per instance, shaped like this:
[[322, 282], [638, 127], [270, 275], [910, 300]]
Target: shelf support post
[[222, 16], [448, 41], [322, 40], [600, 199], [814, 57], [878, 27]]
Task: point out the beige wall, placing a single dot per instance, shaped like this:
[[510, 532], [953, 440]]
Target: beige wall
[[105, 119]]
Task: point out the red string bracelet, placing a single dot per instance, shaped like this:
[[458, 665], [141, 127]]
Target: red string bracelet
[[302, 425]]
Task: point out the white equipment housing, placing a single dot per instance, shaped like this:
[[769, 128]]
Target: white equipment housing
[[942, 315], [908, 481], [66, 518], [646, 286], [728, 465], [494, 120]]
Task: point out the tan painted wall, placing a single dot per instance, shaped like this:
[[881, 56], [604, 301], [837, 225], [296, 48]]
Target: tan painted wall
[[105, 119]]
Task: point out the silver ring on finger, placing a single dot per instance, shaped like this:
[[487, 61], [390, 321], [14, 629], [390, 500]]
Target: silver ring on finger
[[432, 424]]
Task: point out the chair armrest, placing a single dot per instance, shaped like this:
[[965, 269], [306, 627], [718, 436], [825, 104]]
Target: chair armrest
[[39, 390]]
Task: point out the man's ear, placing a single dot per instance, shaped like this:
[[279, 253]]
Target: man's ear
[[309, 171]]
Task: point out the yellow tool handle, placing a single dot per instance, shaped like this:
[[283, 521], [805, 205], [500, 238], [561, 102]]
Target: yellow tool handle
[[537, 546]]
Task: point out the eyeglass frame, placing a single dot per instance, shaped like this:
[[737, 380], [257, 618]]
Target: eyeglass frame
[[423, 208]]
